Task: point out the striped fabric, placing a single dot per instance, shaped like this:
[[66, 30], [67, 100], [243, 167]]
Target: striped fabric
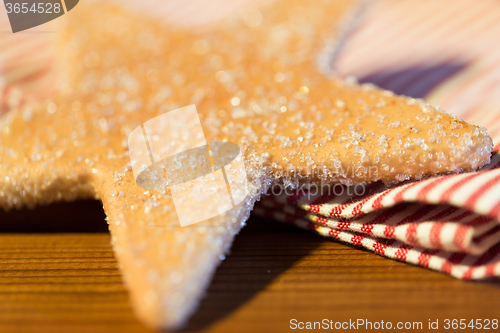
[[26, 64], [447, 52], [449, 223]]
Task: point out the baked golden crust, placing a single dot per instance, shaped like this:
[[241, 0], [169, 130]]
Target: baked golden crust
[[254, 84]]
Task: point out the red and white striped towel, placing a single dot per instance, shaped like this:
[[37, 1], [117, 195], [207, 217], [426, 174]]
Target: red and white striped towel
[[448, 223], [445, 51]]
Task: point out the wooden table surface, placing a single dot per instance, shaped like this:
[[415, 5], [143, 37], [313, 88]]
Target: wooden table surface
[[58, 274]]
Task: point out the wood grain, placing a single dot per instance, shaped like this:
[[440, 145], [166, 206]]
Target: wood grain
[[69, 282]]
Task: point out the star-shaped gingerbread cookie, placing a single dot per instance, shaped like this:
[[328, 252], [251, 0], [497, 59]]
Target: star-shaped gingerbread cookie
[[254, 83]]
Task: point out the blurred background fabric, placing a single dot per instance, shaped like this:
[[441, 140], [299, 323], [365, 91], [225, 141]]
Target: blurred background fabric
[[445, 51]]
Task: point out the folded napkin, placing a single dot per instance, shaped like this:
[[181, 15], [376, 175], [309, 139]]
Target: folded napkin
[[446, 52], [449, 223]]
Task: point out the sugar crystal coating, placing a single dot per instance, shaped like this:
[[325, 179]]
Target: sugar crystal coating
[[254, 83]]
